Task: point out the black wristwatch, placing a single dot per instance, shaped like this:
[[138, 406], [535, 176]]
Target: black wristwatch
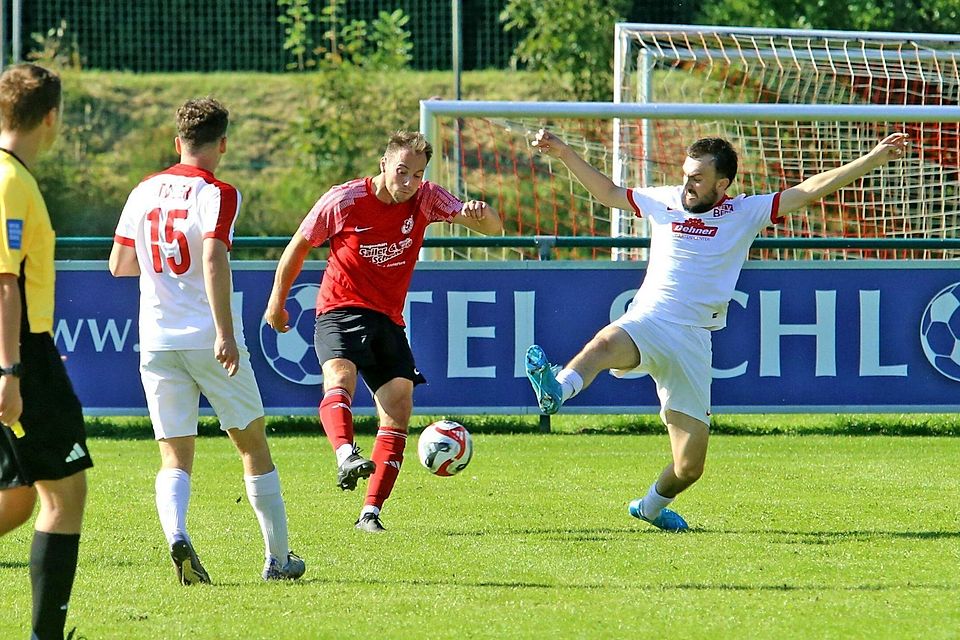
[[15, 370]]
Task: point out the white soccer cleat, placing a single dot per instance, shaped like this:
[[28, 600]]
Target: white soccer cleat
[[292, 569]]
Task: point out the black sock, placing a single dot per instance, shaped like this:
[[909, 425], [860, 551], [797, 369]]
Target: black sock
[[53, 563]]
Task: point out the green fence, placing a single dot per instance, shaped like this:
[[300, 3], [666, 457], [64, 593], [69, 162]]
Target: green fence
[[546, 245], [244, 35]]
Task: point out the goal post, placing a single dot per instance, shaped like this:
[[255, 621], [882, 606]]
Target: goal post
[[916, 196]]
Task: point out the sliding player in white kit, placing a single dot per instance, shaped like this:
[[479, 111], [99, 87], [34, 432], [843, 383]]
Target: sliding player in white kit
[[175, 233], [700, 239]]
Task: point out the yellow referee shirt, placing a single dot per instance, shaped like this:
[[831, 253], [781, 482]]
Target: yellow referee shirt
[[27, 239]]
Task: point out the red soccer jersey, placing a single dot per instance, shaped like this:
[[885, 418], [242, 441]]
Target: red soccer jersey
[[373, 246]]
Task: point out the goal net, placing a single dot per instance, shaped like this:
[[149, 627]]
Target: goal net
[[717, 65], [490, 158], [484, 153]]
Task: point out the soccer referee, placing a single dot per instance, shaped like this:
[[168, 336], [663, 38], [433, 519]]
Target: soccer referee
[[43, 447]]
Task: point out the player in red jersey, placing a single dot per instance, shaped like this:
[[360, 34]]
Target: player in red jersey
[[375, 227]]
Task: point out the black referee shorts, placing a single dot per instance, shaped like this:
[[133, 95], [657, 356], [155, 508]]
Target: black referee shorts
[[55, 443], [370, 340]]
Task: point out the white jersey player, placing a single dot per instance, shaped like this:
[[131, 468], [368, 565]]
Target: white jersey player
[[699, 241], [167, 219], [175, 233]]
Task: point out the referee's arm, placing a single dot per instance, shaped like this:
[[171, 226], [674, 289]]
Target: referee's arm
[[11, 403]]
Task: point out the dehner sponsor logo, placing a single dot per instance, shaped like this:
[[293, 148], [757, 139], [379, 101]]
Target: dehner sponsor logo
[[693, 227]]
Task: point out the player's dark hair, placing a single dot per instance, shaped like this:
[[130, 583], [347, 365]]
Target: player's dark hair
[[28, 93], [201, 121], [410, 140], [724, 155]]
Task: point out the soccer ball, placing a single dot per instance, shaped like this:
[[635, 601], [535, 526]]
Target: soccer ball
[[940, 332], [291, 354], [445, 448]]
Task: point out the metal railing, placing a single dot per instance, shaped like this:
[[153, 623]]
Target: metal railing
[[545, 245]]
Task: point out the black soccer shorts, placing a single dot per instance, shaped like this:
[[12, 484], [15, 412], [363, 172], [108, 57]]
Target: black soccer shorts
[[54, 444], [370, 340]]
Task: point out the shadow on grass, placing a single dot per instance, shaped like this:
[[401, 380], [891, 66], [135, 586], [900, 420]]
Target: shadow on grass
[[590, 586], [599, 534], [807, 587], [833, 537], [776, 536], [14, 565]]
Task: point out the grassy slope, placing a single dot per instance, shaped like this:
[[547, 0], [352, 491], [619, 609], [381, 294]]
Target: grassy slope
[[795, 538], [119, 127]]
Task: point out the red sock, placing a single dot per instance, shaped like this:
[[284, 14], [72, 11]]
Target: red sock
[[336, 416], [388, 454]]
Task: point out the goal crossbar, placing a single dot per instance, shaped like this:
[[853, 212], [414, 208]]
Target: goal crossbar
[[802, 34], [431, 109]]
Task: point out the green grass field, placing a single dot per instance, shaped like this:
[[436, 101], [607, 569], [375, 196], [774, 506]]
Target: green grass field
[[820, 536]]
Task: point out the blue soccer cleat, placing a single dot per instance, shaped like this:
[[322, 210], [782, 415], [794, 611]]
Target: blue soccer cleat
[[543, 378], [667, 520]]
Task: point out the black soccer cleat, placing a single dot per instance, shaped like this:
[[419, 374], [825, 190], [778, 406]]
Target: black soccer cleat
[[354, 468], [370, 522], [187, 564]]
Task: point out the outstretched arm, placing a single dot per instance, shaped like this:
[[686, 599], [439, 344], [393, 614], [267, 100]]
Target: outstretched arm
[[600, 186], [823, 184]]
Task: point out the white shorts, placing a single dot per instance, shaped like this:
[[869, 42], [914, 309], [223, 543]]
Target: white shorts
[[174, 380], [679, 359]]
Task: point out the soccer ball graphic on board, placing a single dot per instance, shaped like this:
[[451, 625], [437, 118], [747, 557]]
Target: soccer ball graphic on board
[[291, 354], [445, 448], [940, 332]]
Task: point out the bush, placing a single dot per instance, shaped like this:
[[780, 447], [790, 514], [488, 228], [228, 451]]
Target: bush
[[570, 39]]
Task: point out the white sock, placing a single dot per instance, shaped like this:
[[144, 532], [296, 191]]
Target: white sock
[[653, 503], [571, 383], [267, 502], [369, 508], [343, 452], [173, 497]]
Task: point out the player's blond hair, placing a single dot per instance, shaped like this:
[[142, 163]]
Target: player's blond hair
[[201, 121], [28, 92], [411, 141]]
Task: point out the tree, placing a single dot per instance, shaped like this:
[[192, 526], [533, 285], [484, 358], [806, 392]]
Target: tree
[[296, 18], [933, 16], [570, 38]]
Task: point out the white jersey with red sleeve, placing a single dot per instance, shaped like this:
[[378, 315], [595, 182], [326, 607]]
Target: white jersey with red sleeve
[[166, 218], [696, 259], [374, 245]]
